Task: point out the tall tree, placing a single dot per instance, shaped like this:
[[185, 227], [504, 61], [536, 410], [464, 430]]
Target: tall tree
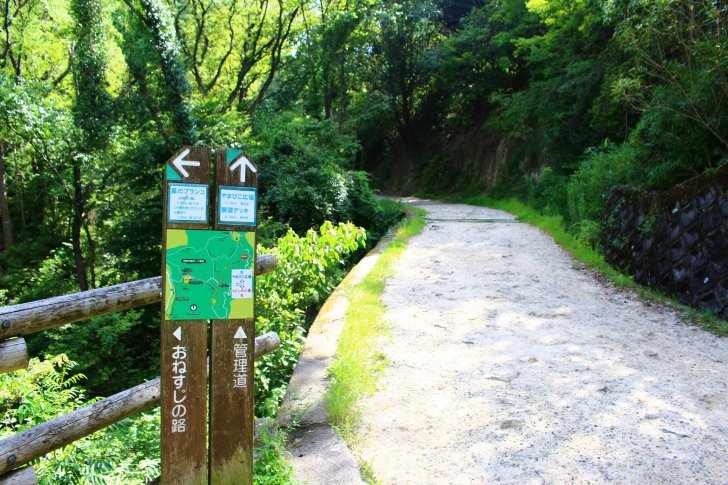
[[31, 40], [257, 50], [7, 227], [29, 51], [160, 21], [565, 54], [407, 32], [679, 61], [92, 108], [337, 24], [481, 58], [92, 115], [453, 11]]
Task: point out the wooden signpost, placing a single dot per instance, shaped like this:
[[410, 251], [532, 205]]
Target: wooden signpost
[[208, 275], [233, 340], [184, 341]]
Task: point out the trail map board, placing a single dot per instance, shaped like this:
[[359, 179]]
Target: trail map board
[[209, 274], [209, 283]]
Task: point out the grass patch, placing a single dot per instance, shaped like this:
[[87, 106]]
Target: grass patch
[[416, 211], [709, 321], [271, 466], [359, 363], [555, 227], [695, 316]]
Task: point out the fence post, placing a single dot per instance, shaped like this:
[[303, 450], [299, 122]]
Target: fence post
[[13, 355]]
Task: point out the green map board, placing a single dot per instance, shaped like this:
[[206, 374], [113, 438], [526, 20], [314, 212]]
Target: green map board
[[210, 275]]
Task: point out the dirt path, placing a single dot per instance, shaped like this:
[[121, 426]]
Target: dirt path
[[507, 365]]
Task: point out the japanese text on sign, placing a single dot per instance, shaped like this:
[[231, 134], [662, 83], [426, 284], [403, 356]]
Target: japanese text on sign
[[240, 366], [241, 283], [237, 206], [179, 375], [187, 203]]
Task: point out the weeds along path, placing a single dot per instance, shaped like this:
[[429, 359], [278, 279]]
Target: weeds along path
[[508, 365]]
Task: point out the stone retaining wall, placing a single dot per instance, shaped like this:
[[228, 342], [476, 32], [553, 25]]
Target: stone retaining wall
[[675, 241]]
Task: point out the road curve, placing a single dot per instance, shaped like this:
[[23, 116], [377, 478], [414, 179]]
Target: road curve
[[508, 364]]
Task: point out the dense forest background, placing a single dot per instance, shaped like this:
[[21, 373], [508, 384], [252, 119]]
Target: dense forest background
[[553, 101]]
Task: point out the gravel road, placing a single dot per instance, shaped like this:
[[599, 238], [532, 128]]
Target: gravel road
[[508, 364]]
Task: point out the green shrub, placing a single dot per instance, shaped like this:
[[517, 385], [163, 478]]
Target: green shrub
[[101, 346], [309, 268], [126, 452], [438, 174], [548, 194], [305, 177], [588, 188], [269, 469]]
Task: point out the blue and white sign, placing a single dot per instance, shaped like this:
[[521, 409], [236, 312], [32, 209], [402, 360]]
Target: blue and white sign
[[237, 206], [187, 203]]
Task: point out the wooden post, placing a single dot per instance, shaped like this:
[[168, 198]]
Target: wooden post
[[40, 440], [13, 355], [233, 339], [183, 341], [22, 476]]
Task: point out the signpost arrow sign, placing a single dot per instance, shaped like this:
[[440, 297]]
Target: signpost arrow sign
[[240, 333], [243, 163], [183, 338], [179, 163]]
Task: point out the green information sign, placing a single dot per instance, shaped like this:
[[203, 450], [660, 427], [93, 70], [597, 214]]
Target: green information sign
[[209, 275]]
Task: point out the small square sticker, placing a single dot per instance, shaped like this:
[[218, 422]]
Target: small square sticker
[[241, 285]]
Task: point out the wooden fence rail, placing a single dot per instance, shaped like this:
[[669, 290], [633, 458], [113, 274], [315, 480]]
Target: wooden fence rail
[[36, 316], [27, 318], [21, 476], [39, 440]]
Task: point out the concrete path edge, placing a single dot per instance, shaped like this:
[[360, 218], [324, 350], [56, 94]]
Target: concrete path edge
[[318, 454]]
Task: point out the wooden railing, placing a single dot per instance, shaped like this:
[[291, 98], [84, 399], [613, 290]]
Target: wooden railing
[[28, 318]]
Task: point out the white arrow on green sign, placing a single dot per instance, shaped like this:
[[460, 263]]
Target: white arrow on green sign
[[241, 162]]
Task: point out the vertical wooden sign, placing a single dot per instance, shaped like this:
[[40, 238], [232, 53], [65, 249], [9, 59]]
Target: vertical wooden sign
[[233, 339], [183, 332]]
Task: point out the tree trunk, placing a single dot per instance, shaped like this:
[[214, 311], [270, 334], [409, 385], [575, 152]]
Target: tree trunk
[[40, 189], [342, 88], [20, 194], [328, 93], [4, 209], [78, 209], [91, 254]]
